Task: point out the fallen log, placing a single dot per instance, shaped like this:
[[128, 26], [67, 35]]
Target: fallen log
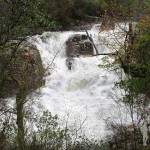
[[105, 54], [95, 17], [91, 39]]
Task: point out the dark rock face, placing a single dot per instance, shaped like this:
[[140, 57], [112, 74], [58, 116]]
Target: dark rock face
[[79, 44], [25, 69]]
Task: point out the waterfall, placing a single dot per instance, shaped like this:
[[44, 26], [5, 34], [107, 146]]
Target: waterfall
[[81, 96]]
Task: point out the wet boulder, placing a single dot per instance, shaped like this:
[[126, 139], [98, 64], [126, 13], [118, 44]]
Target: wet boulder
[[79, 44], [25, 67], [71, 49], [69, 62], [86, 47]]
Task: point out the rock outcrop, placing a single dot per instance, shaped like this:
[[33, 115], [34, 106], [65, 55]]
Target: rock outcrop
[[21, 66], [79, 44], [69, 62]]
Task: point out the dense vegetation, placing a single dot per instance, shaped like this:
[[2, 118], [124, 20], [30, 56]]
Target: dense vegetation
[[22, 18], [65, 12], [136, 84]]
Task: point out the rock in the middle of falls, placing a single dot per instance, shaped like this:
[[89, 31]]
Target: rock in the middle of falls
[[77, 45]]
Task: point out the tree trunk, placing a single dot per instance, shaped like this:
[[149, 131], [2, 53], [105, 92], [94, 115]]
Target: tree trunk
[[91, 39], [20, 98]]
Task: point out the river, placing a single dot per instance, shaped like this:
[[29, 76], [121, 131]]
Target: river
[[83, 98]]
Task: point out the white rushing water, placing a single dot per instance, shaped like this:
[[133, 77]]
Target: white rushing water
[[79, 97]]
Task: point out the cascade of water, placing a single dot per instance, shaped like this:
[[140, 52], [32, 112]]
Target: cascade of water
[[81, 94]]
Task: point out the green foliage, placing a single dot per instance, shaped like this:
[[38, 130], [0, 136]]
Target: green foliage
[[88, 7], [65, 12], [19, 71], [138, 83], [44, 133], [61, 10], [86, 144], [48, 134], [21, 17]]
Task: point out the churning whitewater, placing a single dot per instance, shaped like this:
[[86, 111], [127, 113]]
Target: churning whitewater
[[81, 96]]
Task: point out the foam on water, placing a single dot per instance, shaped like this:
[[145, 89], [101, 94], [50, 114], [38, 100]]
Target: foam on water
[[79, 96]]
